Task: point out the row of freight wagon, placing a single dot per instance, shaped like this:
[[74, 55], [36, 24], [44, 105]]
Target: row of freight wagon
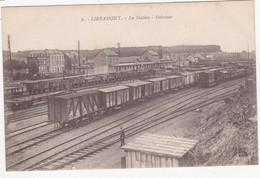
[[57, 84], [72, 108]]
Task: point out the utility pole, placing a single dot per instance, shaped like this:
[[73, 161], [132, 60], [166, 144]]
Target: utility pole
[[248, 52], [10, 57], [79, 56], [118, 44]]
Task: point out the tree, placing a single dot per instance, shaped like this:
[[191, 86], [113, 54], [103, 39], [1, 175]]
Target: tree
[[33, 68]]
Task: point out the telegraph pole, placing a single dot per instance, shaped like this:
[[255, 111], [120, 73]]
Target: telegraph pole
[[79, 56], [248, 52], [10, 57], [118, 44]]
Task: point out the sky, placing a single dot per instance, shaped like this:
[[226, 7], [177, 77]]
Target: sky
[[228, 24]]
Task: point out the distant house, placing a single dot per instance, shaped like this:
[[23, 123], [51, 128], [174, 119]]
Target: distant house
[[181, 63], [40, 58], [72, 62], [195, 58], [151, 56], [129, 59], [103, 60], [48, 61]]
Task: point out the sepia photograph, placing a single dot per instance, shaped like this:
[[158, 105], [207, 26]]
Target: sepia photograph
[[122, 86]]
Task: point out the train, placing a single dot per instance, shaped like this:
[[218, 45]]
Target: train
[[57, 84], [22, 95], [72, 108], [41, 89]]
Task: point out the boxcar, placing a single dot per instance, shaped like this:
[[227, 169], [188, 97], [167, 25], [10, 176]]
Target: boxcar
[[197, 75], [175, 81], [218, 74], [114, 97], [241, 72], [33, 87], [159, 84], [139, 90], [233, 73], [206, 79], [71, 108], [225, 75], [189, 78]]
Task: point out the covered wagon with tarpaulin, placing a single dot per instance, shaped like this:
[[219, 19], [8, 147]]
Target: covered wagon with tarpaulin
[[158, 151], [72, 108]]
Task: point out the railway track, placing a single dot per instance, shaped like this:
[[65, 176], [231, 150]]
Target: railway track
[[29, 143], [41, 110], [62, 159], [27, 115], [205, 94], [68, 129]]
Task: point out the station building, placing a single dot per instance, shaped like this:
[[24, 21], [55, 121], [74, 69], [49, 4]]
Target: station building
[[108, 61]]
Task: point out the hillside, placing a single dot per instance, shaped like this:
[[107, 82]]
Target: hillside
[[228, 135]]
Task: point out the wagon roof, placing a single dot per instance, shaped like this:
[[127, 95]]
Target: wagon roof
[[139, 83], [111, 89], [161, 145], [9, 88], [187, 73], [207, 72], [78, 94], [157, 79], [216, 69], [224, 71], [174, 76]]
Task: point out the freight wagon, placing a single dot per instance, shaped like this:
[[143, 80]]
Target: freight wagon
[[225, 75], [159, 84], [114, 97], [189, 78], [72, 108], [175, 81], [139, 90], [207, 78]]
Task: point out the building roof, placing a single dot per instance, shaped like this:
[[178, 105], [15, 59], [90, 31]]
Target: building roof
[[109, 52], [144, 59], [45, 52], [53, 51], [161, 145], [199, 56], [111, 89], [36, 51], [125, 64], [130, 59], [153, 53]]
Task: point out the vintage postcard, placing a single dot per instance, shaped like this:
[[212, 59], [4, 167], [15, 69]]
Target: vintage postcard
[[152, 85]]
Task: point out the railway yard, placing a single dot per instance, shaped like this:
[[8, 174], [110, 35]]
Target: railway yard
[[79, 128], [34, 143]]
